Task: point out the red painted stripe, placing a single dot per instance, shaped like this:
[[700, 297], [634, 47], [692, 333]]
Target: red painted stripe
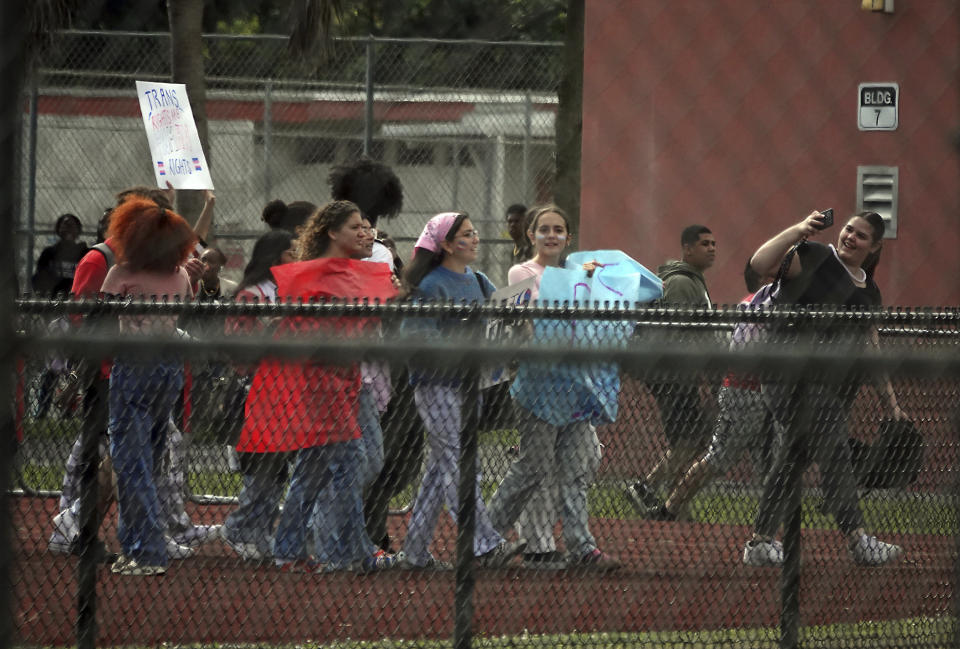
[[287, 112]]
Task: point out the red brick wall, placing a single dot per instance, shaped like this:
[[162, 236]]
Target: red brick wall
[[741, 115]]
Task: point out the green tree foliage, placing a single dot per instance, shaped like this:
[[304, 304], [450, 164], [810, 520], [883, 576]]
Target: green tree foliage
[[530, 20]]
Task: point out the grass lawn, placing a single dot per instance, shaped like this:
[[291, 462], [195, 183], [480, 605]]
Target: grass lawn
[[924, 514], [906, 513], [910, 632]]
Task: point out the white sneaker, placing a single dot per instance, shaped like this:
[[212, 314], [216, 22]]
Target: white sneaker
[[66, 529], [127, 566], [869, 551], [177, 551], [197, 535], [763, 553], [59, 544], [246, 551]]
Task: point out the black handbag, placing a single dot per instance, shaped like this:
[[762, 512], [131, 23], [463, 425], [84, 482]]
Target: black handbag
[[496, 410], [892, 462]]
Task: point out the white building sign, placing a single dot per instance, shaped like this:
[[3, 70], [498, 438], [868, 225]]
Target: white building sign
[[878, 108]]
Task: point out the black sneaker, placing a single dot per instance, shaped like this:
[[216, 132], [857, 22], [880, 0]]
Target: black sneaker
[[100, 551], [643, 498], [596, 560], [661, 513], [544, 561], [501, 555]]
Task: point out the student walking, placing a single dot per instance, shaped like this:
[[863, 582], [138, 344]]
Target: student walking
[[566, 454], [838, 275], [152, 245], [440, 271], [311, 408]]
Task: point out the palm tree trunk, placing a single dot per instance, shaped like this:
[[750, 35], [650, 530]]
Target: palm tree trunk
[[186, 58], [569, 124]]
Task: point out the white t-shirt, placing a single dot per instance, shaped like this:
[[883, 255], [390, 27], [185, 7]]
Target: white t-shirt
[[381, 254], [376, 374]]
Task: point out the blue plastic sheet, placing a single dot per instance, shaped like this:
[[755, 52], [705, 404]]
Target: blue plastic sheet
[[563, 393]]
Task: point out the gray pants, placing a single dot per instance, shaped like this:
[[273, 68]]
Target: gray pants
[[824, 442], [567, 456], [744, 424]]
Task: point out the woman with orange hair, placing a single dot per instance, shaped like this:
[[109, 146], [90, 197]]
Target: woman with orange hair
[[152, 244]]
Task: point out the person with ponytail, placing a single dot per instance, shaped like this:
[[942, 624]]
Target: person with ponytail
[[248, 530], [287, 216], [829, 276], [440, 272]]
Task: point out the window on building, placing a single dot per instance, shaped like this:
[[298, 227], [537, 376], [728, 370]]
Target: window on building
[[354, 149], [457, 155], [316, 150], [415, 154]]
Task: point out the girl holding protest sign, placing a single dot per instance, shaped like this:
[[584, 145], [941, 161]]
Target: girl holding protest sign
[[562, 455], [440, 272]]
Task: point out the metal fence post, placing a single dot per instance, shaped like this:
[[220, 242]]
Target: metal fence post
[[467, 505], [31, 180], [527, 135], [368, 102], [12, 19], [455, 199], [94, 414], [790, 574], [267, 140]]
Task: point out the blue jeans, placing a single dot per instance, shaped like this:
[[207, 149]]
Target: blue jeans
[[369, 465], [368, 418], [264, 481], [142, 397], [319, 472]]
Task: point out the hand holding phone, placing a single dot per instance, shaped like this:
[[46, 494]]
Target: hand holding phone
[[827, 219]]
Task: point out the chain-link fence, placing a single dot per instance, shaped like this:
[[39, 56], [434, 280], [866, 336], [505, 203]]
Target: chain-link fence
[[291, 484], [466, 125], [349, 475]]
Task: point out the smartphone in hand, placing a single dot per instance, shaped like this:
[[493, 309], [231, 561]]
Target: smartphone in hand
[[827, 219]]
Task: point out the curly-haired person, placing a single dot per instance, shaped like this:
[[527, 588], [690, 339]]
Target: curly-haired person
[[312, 408]]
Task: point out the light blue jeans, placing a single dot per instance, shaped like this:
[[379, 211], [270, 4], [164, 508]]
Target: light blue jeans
[[369, 465], [368, 418], [264, 482], [343, 537], [567, 456], [440, 408], [142, 397]]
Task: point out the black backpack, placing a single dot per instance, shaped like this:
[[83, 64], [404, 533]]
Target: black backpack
[[893, 461]]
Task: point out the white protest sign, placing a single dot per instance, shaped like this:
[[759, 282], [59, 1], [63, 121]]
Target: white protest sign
[[175, 151], [515, 294]]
